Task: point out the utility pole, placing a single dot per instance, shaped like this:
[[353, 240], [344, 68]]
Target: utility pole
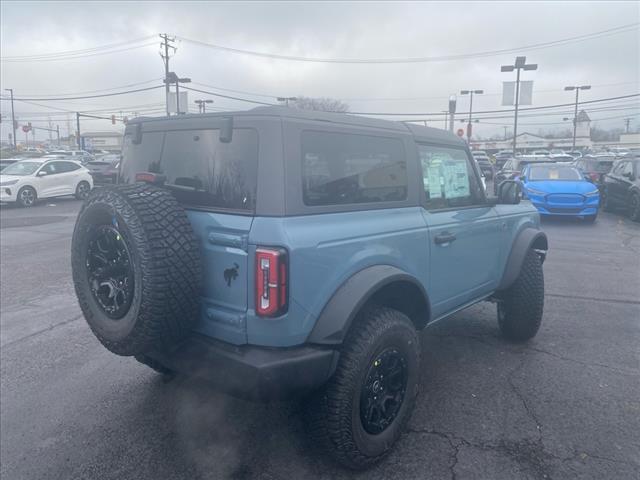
[[446, 118], [627, 121], [452, 111], [165, 58], [78, 126], [519, 65], [58, 133], [577, 88], [13, 119], [505, 133], [470, 93]]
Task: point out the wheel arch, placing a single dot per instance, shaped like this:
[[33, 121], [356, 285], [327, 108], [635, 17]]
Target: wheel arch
[[384, 285], [529, 238]]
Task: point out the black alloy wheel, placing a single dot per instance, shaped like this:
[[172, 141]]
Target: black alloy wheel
[[110, 271], [383, 391]]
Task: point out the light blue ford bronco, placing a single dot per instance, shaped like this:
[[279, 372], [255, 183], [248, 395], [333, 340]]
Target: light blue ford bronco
[[285, 253]]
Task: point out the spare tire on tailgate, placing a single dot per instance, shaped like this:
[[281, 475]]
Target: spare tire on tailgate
[[136, 268]]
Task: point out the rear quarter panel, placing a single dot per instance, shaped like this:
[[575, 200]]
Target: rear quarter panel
[[324, 251]]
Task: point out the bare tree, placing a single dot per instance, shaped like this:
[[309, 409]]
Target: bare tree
[[324, 104]]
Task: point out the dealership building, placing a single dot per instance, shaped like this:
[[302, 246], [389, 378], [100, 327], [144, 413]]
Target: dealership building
[[110, 141]]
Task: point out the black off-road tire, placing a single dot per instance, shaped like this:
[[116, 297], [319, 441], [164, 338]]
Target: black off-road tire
[[634, 207], [165, 264], [521, 306], [333, 413]]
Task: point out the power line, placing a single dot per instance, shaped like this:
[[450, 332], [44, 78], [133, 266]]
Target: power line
[[230, 97], [92, 91], [537, 46], [498, 111], [58, 55], [89, 96]]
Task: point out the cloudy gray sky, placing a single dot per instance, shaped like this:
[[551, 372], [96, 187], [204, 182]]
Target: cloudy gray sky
[[610, 63]]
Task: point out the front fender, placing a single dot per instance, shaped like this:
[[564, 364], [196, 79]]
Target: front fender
[[340, 311], [526, 239]]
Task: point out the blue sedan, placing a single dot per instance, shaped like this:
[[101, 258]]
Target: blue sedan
[[562, 190]]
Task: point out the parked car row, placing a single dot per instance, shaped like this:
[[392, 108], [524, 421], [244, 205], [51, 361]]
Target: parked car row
[[579, 188], [26, 181]]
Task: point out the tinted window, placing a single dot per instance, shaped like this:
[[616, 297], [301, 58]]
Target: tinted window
[[598, 166], [52, 168], [197, 167], [342, 169], [67, 166], [553, 172], [448, 178], [627, 168], [617, 170]]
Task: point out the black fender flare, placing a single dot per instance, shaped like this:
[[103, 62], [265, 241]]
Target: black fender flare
[[339, 312], [527, 239]]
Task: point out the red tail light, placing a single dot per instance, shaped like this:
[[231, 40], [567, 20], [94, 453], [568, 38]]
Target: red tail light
[[594, 176], [271, 282], [148, 177]]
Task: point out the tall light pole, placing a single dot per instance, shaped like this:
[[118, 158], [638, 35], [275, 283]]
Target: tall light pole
[[519, 65], [286, 100], [13, 119], [470, 93], [577, 88]]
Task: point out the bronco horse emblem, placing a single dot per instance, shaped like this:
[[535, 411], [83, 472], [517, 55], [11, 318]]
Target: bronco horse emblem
[[231, 274]]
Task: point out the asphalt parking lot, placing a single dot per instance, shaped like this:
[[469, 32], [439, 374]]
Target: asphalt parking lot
[[565, 405]]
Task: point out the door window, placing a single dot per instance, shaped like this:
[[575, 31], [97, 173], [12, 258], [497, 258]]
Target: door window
[[448, 178], [64, 167], [52, 168], [618, 169], [627, 169]]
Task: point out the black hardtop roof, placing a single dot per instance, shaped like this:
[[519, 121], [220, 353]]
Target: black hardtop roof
[[420, 132]]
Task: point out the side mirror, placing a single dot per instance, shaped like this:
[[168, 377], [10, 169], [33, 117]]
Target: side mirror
[[509, 192], [41, 173]]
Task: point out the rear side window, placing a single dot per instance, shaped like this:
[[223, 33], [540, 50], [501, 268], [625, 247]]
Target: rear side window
[[200, 170], [339, 169], [448, 178]]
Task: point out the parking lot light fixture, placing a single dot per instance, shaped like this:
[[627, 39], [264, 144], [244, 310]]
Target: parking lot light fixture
[[577, 88], [520, 64], [470, 93]]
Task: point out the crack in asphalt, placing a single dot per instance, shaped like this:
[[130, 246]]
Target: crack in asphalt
[[39, 332], [594, 299], [524, 348]]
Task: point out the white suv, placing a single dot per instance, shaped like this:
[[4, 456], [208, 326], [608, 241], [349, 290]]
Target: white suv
[[26, 181]]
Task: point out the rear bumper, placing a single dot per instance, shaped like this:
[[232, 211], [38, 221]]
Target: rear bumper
[[255, 373]]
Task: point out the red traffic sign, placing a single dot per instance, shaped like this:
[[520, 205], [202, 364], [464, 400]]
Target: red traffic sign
[[460, 132], [26, 128]]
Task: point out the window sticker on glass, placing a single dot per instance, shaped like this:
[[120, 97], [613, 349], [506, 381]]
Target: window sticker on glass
[[456, 179]]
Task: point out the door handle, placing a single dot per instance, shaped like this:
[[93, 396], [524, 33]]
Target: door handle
[[444, 237]]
